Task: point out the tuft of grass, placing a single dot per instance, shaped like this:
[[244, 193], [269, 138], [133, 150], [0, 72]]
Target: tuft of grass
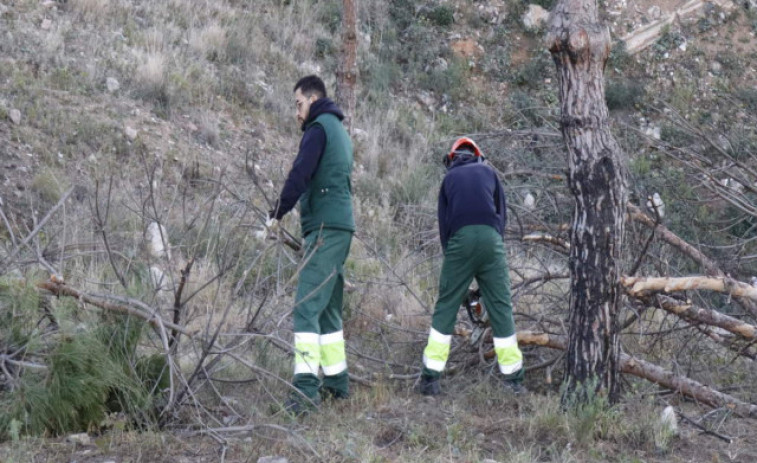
[[49, 186], [210, 42], [91, 10]]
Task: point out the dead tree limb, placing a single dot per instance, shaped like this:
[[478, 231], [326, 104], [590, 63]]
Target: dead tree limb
[[547, 238], [101, 222], [640, 286], [177, 304], [37, 229], [59, 289], [711, 267], [708, 317], [655, 374]]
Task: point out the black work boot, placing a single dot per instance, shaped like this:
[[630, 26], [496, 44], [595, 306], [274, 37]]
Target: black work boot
[[295, 407], [515, 387], [429, 386], [329, 393]]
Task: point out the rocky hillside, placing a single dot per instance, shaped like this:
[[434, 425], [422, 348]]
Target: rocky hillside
[[142, 142]]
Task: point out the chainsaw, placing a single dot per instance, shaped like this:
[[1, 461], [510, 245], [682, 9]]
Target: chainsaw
[[477, 314]]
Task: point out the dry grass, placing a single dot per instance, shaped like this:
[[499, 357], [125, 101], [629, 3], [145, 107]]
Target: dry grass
[[92, 10], [151, 71], [209, 42]]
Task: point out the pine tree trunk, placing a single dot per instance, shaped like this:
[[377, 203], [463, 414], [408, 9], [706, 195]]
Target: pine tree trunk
[[580, 46], [347, 72]]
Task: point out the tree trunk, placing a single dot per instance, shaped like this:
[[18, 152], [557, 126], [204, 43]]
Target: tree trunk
[[580, 46], [346, 76]]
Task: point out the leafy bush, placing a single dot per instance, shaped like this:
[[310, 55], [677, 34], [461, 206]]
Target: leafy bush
[[441, 15], [533, 72], [619, 58], [623, 94]]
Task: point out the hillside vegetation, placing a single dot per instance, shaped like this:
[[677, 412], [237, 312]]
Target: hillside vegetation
[[143, 141]]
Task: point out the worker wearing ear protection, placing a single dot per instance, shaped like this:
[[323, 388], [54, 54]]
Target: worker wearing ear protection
[[472, 217]]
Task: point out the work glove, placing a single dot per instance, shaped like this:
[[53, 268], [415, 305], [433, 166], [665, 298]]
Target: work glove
[[274, 229]]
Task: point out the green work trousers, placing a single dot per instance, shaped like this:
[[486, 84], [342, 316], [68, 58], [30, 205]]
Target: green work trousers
[[474, 251], [318, 335]]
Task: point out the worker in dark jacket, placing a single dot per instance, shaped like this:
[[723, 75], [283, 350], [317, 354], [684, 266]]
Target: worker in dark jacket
[[472, 219], [320, 181]]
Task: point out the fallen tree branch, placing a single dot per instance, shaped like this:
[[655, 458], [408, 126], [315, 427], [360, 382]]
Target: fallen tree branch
[[701, 315], [653, 373], [59, 289], [641, 286], [704, 429], [710, 266], [547, 238]]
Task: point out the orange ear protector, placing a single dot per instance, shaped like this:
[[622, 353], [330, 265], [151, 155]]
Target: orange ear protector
[[460, 143]]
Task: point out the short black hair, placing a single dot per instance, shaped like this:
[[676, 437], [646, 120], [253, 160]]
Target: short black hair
[[311, 85]]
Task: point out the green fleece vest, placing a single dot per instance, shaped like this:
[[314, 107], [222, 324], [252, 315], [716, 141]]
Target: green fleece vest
[[327, 203]]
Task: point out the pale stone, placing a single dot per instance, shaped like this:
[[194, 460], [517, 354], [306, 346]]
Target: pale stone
[[130, 133], [79, 439], [272, 460], [669, 420], [654, 12], [15, 116], [46, 24], [529, 202], [535, 17], [112, 84], [157, 241]]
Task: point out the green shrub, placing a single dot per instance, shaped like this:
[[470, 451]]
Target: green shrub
[[89, 368], [402, 13], [324, 47], [623, 94], [619, 58], [441, 15], [330, 15], [534, 71], [450, 81]]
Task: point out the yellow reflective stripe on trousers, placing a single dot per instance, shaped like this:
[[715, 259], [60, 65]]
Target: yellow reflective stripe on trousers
[[509, 356], [437, 350], [333, 358], [307, 353]]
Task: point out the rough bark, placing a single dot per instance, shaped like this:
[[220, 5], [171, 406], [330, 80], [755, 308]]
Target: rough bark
[[580, 46], [653, 373], [347, 72]]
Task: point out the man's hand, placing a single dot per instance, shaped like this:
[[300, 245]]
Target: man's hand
[[274, 229]]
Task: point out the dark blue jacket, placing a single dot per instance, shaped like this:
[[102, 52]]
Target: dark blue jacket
[[471, 194], [306, 163]]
